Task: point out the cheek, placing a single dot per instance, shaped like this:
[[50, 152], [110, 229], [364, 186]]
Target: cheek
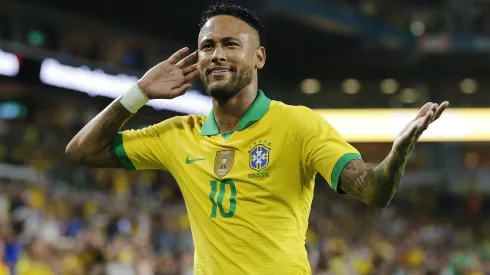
[[201, 64], [241, 55], [248, 57]]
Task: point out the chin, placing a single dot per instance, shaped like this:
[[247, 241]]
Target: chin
[[222, 92]]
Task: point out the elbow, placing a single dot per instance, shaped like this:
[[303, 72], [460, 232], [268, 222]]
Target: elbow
[[73, 153], [381, 204], [378, 202]]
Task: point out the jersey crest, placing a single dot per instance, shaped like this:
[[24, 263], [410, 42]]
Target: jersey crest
[[259, 157], [224, 162]]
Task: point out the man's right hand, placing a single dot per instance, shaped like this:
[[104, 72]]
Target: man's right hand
[[94, 144], [170, 78]]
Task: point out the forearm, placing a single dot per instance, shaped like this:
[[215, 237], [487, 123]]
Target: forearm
[[385, 179], [92, 143], [374, 185]]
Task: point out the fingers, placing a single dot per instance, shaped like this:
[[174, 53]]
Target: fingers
[[441, 109], [426, 121], [423, 111], [192, 76], [412, 130], [178, 55], [432, 107], [418, 126], [190, 69], [188, 60], [181, 90]]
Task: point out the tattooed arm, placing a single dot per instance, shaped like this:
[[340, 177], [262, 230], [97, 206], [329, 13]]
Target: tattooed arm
[[377, 185], [373, 185], [93, 145]]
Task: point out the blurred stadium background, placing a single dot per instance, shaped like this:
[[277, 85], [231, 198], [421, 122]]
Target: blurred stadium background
[[366, 65]]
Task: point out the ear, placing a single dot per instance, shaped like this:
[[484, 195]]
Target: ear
[[260, 57]]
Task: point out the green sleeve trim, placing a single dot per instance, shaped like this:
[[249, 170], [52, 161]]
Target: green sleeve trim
[[339, 166], [121, 153]]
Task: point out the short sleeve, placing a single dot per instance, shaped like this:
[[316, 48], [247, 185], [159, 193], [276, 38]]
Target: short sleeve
[[143, 149], [322, 148]]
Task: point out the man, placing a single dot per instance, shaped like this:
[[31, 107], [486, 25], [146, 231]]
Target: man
[[247, 170]]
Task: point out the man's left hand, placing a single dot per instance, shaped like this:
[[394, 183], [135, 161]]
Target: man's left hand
[[408, 137]]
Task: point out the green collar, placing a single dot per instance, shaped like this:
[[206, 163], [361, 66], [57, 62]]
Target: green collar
[[256, 111]]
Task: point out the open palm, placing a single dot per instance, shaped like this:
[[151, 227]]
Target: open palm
[[408, 137], [170, 78]]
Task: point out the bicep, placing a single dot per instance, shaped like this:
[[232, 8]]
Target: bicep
[[143, 149], [356, 180], [326, 152]]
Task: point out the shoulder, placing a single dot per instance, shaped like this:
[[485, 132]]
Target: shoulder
[[295, 114], [290, 110], [180, 123], [174, 125]]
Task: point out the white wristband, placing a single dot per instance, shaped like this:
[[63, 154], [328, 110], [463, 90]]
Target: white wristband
[[133, 99]]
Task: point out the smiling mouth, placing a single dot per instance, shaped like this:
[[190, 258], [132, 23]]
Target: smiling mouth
[[219, 71]]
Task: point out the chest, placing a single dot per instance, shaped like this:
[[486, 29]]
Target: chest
[[259, 164]]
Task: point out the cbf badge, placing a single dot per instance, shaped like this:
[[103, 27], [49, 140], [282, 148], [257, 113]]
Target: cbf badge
[[259, 157], [224, 162]]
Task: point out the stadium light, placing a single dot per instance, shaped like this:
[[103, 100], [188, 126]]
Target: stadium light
[[310, 86], [417, 28], [468, 86], [98, 83], [9, 64], [351, 86], [36, 37], [389, 86], [363, 125], [409, 96], [12, 110]]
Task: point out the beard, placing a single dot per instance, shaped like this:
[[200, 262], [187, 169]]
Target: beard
[[223, 90]]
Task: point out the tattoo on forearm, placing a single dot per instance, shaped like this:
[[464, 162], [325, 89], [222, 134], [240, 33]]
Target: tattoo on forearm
[[112, 123], [102, 153], [372, 185], [356, 186]]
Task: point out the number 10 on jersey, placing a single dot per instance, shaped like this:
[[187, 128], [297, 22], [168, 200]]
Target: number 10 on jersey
[[218, 202]]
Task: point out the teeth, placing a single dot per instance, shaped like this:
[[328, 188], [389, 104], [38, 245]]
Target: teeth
[[220, 71]]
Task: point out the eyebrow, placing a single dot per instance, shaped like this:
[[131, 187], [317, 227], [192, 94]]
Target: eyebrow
[[224, 39]]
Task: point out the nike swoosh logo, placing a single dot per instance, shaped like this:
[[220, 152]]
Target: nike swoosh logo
[[189, 161]]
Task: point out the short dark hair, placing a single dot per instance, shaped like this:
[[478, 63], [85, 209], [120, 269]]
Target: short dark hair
[[236, 11]]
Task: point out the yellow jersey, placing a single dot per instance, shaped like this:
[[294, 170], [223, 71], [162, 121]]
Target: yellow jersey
[[248, 192]]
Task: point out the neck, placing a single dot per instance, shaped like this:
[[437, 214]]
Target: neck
[[228, 114]]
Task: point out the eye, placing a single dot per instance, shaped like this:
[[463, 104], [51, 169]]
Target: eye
[[206, 46], [232, 44]]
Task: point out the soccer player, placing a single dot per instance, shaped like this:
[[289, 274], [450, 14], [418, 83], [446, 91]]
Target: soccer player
[[247, 170]]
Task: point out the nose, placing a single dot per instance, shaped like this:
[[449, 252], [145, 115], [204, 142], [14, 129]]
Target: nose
[[218, 55]]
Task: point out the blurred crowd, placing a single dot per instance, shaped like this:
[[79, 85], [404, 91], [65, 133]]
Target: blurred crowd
[[455, 16], [43, 233], [73, 220], [422, 233]]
